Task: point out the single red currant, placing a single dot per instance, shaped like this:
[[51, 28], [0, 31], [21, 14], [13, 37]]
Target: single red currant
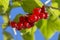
[[46, 15], [22, 19], [19, 26], [32, 24], [13, 24], [27, 25], [41, 15], [37, 11], [43, 9], [32, 18]]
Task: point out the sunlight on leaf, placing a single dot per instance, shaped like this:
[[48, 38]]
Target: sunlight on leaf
[[6, 19], [4, 4], [49, 26]]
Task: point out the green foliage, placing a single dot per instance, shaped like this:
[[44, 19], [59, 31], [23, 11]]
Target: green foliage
[[28, 34], [56, 3], [7, 36], [17, 17], [47, 26], [6, 19], [29, 5], [16, 4], [39, 23], [4, 5], [59, 37]]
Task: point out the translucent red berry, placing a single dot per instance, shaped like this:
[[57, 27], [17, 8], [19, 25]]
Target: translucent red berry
[[41, 15], [19, 26], [32, 24], [46, 15], [13, 24], [22, 19], [27, 25], [37, 11], [32, 18], [43, 9]]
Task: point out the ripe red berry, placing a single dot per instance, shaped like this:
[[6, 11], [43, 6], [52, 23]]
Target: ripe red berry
[[32, 24], [22, 19], [46, 15], [43, 9], [32, 18], [41, 15], [19, 26], [37, 11], [27, 25], [13, 24]]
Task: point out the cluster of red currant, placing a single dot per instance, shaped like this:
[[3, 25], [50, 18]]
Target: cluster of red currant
[[28, 20]]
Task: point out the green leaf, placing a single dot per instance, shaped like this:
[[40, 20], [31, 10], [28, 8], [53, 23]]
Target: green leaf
[[29, 5], [31, 30], [59, 37], [16, 4], [56, 3], [7, 36], [4, 4], [16, 19], [28, 34], [49, 26], [6, 19], [39, 23]]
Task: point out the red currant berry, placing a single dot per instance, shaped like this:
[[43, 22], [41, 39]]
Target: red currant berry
[[19, 26], [32, 24], [43, 9], [37, 11], [22, 19], [32, 18], [27, 25], [46, 15], [13, 24], [41, 15]]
